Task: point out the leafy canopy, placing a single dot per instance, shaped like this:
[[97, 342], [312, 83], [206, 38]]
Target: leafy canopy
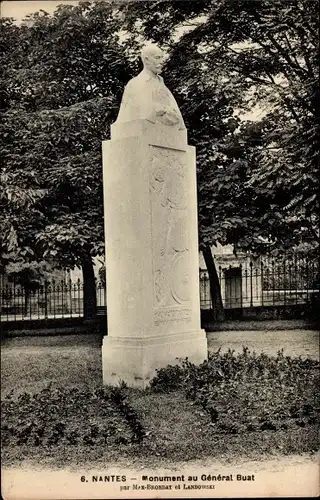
[[61, 87], [258, 181]]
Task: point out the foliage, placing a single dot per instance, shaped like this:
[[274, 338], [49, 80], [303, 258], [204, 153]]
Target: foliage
[[63, 86], [177, 428], [119, 398], [56, 416], [257, 182], [18, 205], [170, 378], [248, 393]]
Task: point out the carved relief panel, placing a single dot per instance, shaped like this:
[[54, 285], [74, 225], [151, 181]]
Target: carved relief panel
[[170, 231]]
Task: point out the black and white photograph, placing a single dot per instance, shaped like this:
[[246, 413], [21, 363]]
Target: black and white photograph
[[159, 249]]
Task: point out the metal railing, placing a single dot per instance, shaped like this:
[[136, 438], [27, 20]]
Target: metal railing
[[50, 300], [263, 283], [250, 284]]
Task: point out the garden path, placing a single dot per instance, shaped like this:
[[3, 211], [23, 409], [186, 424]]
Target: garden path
[[304, 343]]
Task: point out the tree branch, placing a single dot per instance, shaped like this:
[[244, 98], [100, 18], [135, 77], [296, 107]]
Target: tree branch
[[279, 52], [303, 48], [291, 49], [286, 57], [271, 82], [306, 24]]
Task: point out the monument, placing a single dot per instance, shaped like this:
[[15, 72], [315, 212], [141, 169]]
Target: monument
[[150, 209]]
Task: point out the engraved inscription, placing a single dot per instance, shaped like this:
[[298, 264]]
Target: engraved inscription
[[169, 315]]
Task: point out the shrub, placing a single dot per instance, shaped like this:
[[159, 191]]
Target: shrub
[[118, 397], [69, 416], [247, 392], [168, 379]]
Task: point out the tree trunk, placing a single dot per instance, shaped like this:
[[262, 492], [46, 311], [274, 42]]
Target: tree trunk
[[215, 291], [89, 289], [26, 300]]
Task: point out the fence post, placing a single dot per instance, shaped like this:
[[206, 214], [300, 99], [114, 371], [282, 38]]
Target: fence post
[[262, 281], [54, 297], [30, 303], [256, 285], [46, 299], [296, 277], [241, 294], [62, 298], [273, 283], [79, 298], [70, 296], [251, 289], [220, 283], [284, 284], [307, 280], [14, 298], [7, 295], [246, 279], [290, 281]]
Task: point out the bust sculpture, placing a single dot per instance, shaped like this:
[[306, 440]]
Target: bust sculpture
[[146, 97]]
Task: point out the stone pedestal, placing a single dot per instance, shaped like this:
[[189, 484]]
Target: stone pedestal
[[150, 209]]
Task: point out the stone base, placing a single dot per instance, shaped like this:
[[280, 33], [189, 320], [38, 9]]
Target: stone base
[[135, 360]]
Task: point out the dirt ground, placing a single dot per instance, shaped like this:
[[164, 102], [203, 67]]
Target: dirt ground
[[304, 343]]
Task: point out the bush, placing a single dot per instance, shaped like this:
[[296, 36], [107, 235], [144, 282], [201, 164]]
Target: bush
[[246, 392], [168, 379], [70, 417], [118, 397]]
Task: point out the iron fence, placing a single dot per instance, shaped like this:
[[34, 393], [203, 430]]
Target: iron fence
[[249, 284], [50, 300], [263, 283]]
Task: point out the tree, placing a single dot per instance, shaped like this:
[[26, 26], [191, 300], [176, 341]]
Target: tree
[[225, 57], [258, 182], [64, 84], [17, 206]]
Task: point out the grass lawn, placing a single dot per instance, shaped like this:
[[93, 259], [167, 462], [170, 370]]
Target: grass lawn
[[239, 406]]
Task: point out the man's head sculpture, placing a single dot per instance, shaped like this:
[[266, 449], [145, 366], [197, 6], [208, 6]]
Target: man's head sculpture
[[153, 58], [146, 97]]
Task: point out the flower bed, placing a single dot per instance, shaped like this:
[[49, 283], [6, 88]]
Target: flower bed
[[231, 406], [69, 417], [248, 393]]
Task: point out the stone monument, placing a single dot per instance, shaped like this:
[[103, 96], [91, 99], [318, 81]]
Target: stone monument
[[150, 209]]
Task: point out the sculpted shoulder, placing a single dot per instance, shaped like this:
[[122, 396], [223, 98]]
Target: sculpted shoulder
[[133, 82], [141, 79]]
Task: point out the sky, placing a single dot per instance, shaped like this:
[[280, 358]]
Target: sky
[[19, 9]]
